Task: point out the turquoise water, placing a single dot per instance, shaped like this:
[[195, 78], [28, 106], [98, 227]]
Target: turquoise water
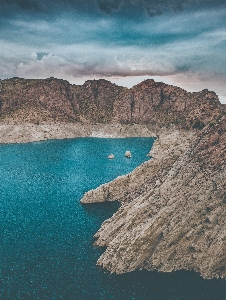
[[46, 239]]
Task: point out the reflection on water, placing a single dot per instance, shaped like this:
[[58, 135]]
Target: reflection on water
[[46, 235]]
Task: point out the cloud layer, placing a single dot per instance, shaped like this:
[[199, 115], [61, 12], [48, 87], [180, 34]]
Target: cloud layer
[[183, 41], [152, 7]]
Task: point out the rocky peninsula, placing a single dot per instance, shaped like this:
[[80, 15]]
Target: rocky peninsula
[[173, 206]]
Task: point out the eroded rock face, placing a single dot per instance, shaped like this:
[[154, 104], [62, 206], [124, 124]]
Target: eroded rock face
[[36, 101], [55, 100], [168, 147], [28, 132], [178, 223]]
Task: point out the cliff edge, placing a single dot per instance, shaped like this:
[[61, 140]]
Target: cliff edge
[[178, 222]]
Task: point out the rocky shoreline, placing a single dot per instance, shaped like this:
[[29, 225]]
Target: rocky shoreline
[[28, 132], [173, 207], [170, 144]]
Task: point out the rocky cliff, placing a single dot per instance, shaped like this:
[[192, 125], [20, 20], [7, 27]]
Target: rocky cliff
[[169, 146], [175, 220], [99, 101]]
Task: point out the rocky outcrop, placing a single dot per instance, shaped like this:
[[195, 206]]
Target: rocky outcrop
[[128, 154], [224, 109], [178, 222], [168, 147], [36, 101], [54, 100]]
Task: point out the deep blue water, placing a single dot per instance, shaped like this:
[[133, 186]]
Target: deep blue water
[[46, 235]]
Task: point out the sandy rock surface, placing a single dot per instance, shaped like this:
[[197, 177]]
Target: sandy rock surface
[[179, 221], [166, 150], [23, 133]]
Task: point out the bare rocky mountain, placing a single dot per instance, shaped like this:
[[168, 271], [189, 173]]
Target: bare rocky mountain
[[100, 101]]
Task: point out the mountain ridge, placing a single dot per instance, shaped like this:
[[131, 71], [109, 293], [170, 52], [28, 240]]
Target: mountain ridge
[[100, 101]]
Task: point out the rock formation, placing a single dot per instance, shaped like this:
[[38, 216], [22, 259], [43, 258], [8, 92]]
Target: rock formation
[[169, 146], [128, 154], [52, 100], [176, 218]]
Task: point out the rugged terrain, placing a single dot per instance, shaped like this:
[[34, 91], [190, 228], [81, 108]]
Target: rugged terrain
[[41, 101], [169, 146], [39, 109], [173, 206]]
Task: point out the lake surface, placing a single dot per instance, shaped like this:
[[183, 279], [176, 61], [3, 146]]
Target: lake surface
[[46, 235]]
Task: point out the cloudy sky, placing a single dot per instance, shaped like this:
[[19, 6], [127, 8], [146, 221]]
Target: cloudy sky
[[125, 41]]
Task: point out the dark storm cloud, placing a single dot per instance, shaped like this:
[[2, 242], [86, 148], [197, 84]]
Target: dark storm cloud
[[9, 8], [28, 5], [108, 6], [157, 7], [76, 39], [151, 7]]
